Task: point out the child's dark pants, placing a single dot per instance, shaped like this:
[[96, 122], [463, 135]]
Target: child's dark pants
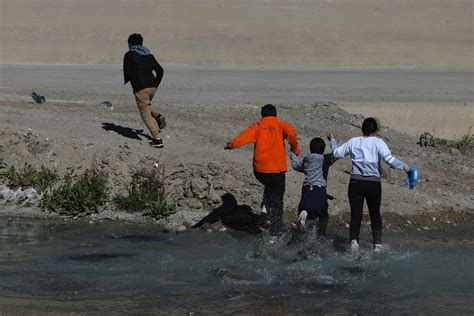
[[372, 192], [314, 201]]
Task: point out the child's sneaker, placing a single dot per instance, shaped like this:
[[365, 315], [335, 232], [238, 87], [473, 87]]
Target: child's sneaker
[[378, 248], [157, 143], [355, 249], [302, 220], [160, 119]]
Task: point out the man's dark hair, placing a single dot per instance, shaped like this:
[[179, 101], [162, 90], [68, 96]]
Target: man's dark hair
[[269, 110], [317, 146], [135, 39], [370, 126]]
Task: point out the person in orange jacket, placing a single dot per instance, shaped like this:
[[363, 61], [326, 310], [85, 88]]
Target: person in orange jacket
[[269, 160]]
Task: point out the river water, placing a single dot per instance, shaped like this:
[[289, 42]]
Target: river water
[[110, 268]]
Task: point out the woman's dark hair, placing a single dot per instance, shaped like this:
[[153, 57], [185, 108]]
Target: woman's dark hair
[[135, 39], [317, 146], [268, 110], [370, 126]]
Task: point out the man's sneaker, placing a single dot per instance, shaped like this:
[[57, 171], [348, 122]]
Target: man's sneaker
[[263, 221], [157, 143], [378, 248], [273, 239], [302, 220], [355, 249], [160, 119]]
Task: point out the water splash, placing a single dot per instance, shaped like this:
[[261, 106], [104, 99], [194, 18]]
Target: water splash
[[295, 273]]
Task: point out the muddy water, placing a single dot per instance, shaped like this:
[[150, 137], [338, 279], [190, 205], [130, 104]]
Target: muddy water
[[116, 268]]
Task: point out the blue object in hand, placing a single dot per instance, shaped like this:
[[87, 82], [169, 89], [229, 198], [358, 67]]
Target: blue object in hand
[[413, 177]]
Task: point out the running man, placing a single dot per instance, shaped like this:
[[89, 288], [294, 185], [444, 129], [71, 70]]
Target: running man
[[138, 67]]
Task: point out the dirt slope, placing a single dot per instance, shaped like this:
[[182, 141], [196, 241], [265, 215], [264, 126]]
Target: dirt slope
[[68, 136]]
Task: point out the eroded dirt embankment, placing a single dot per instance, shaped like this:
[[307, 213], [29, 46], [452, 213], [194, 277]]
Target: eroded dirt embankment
[[71, 138]]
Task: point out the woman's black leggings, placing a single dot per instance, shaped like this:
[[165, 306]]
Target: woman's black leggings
[[372, 192]]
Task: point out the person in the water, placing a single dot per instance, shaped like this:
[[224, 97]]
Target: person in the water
[[366, 152], [233, 215], [314, 198], [269, 160]]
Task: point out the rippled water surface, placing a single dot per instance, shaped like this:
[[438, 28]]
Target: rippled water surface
[[118, 268]]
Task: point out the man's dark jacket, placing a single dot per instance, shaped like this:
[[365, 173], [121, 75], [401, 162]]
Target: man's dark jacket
[[138, 70]]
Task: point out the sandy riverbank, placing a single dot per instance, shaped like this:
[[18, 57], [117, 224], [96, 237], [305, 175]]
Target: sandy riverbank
[[451, 122], [70, 131], [435, 101]]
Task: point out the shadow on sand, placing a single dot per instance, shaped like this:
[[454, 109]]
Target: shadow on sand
[[126, 131]]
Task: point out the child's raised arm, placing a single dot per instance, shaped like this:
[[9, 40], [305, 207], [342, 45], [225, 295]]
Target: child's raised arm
[[329, 159], [296, 163]]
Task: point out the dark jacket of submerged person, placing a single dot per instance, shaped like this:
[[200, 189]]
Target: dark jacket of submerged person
[[233, 215]]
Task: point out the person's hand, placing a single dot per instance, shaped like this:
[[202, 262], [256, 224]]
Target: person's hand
[[228, 146], [330, 136]]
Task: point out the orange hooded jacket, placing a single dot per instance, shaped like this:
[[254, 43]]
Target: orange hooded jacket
[[268, 135]]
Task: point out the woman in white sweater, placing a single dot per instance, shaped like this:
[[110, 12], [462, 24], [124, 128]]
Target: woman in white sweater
[[366, 152]]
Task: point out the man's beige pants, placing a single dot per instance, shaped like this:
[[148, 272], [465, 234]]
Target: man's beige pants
[[148, 114]]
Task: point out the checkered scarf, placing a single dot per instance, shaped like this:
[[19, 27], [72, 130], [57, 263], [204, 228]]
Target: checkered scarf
[[142, 50]]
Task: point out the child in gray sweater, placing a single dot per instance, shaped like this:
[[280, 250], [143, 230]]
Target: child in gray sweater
[[315, 166]]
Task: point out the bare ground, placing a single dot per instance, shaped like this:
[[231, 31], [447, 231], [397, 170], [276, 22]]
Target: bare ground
[[305, 33], [72, 137]]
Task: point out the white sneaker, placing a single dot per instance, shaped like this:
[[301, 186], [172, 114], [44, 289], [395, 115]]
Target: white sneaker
[[273, 240], [302, 220], [378, 248], [355, 249]]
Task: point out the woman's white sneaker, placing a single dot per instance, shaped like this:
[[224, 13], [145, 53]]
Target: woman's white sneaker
[[355, 249], [378, 248]]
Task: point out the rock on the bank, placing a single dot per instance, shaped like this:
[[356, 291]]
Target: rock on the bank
[[19, 197]]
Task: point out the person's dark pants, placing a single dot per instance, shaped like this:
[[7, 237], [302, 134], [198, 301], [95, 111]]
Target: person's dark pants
[[372, 192], [274, 190], [314, 201]]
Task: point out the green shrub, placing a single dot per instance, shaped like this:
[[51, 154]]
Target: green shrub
[[146, 194], [3, 174], [86, 193], [465, 144], [29, 177]]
